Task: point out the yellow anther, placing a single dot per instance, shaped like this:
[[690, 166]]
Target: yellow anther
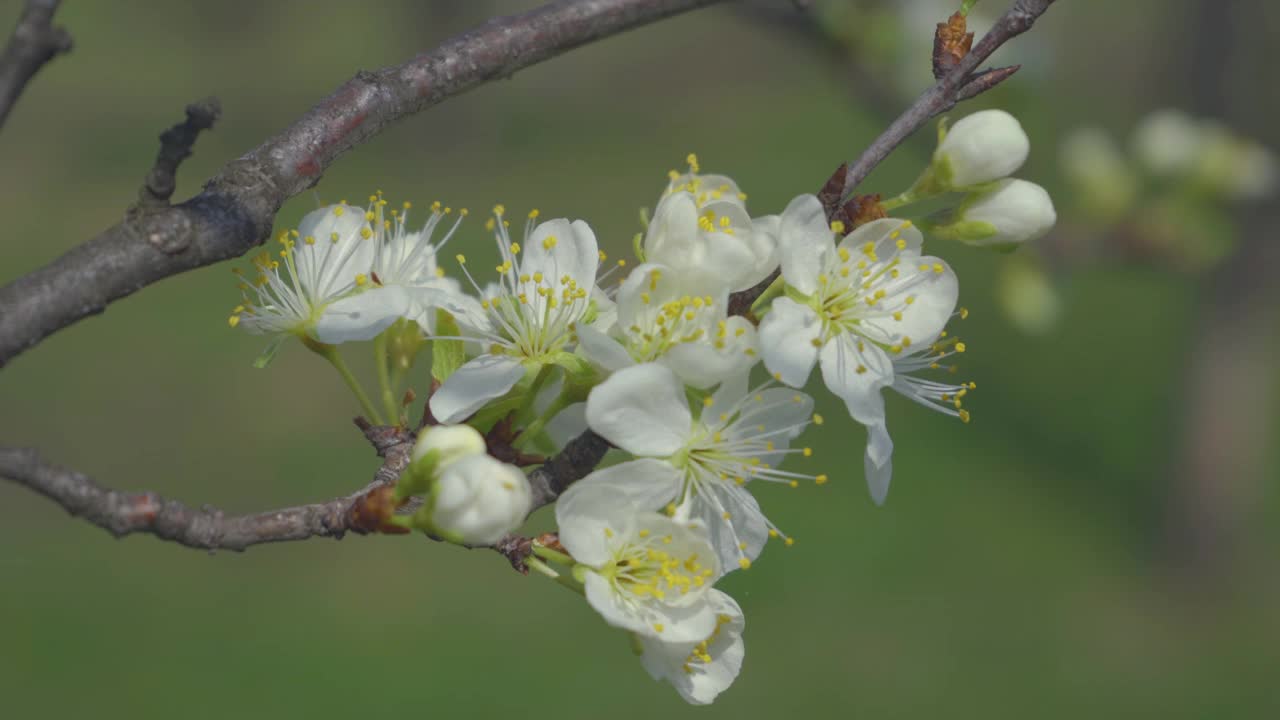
[[789, 541], [837, 227], [234, 320], [964, 313], [808, 452], [794, 483], [821, 479], [692, 159], [960, 347], [362, 279], [964, 416], [499, 210], [817, 419], [744, 563], [462, 259]]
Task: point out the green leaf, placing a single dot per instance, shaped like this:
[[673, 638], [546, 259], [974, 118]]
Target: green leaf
[[446, 355]]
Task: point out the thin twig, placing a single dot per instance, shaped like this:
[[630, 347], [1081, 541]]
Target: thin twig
[[948, 91], [236, 210], [959, 84], [35, 41], [207, 528], [176, 145]]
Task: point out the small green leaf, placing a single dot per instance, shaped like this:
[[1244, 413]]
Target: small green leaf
[[447, 355]]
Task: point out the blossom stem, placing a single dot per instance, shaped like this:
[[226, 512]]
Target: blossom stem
[[554, 556], [539, 380], [775, 289], [546, 569], [330, 353], [380, 359]]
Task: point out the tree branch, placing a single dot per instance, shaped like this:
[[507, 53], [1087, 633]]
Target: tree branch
[[237, 207], [35, 41], [959, 84], [208, 528], [953, 87]]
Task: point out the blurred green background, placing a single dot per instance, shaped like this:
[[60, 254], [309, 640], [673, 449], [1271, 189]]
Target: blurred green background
[[1026, 565]]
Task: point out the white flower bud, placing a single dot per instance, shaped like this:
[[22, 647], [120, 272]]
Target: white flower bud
[[450, 443], [982, 147], [1010, 213], [477, 499]]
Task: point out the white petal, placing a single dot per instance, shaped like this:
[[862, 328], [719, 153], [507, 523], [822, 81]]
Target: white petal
[[362, 316], [884, 234], [805, 240], [935, 300], [646, 484], [602, 349], [583, 515], [699, 683], [701, 364], [878, 462], [473, 385], [745, 525], [642, 410], [787, 334], [573, 252], [325, 266], [841, 359], [673, 231], [567, 424]]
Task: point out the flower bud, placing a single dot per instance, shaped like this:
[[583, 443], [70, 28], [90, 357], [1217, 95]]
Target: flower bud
[[982, 147], [1008, 214], [477, 499], [438, 446], [450, 443]]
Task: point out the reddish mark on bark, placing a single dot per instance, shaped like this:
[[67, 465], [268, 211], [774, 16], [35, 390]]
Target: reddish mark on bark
[[308, 167], [143, 508]]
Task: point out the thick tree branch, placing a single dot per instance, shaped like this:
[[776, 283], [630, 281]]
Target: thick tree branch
[[35, 41], [237, 207], [961, 83], [208, 528]]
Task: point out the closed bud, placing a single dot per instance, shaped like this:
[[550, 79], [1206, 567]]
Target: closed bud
[[438, 446], [449, 443], [476, 500], [1004, 216], [985, 146]]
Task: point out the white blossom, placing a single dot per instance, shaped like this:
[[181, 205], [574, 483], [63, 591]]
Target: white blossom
[[642, 571], [698, 468], [675, 318], [526, 320], [404, 277], [701, 225], [851, 307], [326, 258]]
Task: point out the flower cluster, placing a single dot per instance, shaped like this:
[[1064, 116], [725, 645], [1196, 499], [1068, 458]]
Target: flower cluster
[[648, 356]]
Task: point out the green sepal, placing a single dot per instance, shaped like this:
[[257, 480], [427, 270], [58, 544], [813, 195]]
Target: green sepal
[[637, 245], [269, 352], [446, 355], [417, 478], [578, 371]]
